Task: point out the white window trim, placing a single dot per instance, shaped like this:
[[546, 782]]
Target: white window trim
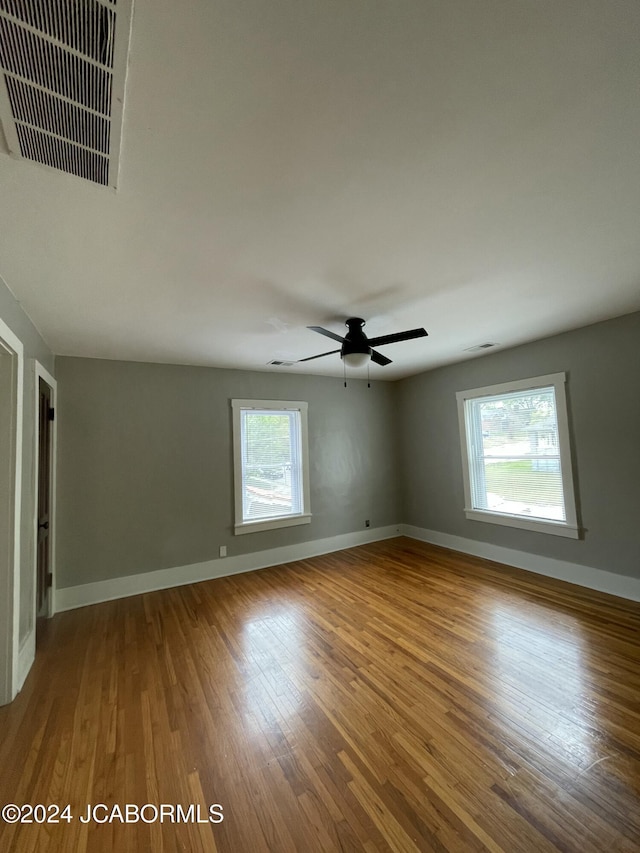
[[240, 526], [568, 528]]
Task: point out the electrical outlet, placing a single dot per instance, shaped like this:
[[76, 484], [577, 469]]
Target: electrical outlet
[[223, 550], [367, 523]]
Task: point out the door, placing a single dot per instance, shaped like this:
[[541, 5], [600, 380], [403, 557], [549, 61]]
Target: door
[[43, 572]]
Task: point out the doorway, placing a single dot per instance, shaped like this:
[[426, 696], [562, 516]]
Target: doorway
[[44, 495], [44, 576]]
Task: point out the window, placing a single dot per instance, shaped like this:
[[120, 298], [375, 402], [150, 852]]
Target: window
[[271, 464], [516, 455]]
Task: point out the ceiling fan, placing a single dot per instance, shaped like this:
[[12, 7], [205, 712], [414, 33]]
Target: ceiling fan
[[357, 348]]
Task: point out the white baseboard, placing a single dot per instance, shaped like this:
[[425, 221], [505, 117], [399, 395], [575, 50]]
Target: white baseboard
[[620, 585], [26, 657], [93, 593]]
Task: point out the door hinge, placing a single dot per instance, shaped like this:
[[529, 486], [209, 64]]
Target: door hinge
[[52, 413], [49, 580]]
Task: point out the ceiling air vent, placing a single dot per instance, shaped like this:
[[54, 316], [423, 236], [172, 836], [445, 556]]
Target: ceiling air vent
[[65, 64], [277, 363], [480, 347]]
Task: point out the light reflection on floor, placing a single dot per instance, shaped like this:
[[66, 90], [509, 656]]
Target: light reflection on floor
[[540, 653], [271, 664]]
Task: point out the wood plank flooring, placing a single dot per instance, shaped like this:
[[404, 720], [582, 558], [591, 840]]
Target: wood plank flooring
[[395, 696]]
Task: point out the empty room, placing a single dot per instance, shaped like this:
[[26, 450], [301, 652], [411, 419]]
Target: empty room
[[319, 426]]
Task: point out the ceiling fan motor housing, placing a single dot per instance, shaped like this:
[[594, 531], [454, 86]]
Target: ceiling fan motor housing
[[355, 341]]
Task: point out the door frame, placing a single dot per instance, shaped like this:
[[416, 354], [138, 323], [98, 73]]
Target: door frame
[[42, 373], [10, 573]]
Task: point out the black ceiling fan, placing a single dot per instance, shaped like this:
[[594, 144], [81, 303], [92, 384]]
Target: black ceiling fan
[[357, 349]]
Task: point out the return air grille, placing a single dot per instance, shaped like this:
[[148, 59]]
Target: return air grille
[[86, 26], [42, 110], [37, 60], [64, 64], [62, 155]]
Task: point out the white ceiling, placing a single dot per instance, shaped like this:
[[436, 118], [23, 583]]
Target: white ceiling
[[470, 167]]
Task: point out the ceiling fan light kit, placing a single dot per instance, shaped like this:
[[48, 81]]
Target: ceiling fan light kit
[[357, 350], [356, 359]]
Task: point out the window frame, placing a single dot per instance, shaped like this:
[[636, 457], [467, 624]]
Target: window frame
[[242, 526], [569, 527]]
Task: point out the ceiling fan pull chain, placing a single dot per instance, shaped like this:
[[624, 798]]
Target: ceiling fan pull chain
[[344, 368], [368, 377]]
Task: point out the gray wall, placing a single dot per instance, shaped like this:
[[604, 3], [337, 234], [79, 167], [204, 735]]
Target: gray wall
[[145, 469], [145, 474], [603, 366], [34, 348]]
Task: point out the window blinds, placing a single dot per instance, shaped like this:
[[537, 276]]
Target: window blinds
[[271, 464]]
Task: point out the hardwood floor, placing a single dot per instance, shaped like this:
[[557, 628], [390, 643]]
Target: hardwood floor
[[395, 696]]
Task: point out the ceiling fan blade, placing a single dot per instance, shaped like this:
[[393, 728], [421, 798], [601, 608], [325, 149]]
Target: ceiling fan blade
[[311, 357], [326, 332], [380, 359], [399, 336]]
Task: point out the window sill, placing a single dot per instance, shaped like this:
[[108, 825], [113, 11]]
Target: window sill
[[538, 525], [271, 523]]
